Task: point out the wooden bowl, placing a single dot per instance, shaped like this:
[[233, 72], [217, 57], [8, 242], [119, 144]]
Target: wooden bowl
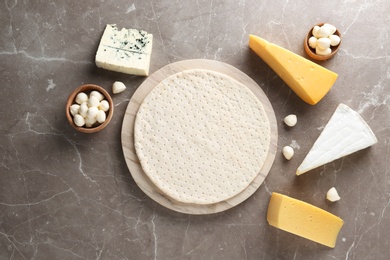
[[311, 52], [88, 88]]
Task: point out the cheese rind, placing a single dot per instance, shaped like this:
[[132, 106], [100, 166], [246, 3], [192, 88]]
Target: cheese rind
[[303, 219], [310, 81], [345, 133], [126, 50]]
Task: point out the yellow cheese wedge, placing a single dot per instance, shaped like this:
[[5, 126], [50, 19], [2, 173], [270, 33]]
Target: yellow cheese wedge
[[307, 79], [303, 219]]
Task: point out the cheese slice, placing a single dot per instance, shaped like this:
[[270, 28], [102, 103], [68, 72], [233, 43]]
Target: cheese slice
[[303, 219], [126, 50], [345, 133], [307, 79]]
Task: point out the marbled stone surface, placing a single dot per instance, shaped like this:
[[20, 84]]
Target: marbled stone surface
[[68, 195]]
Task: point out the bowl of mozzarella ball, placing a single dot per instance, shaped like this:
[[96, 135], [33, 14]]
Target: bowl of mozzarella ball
[[322, 41], [89, 108]]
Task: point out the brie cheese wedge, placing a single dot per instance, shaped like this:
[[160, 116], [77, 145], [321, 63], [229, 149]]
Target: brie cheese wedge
[[345, 133]]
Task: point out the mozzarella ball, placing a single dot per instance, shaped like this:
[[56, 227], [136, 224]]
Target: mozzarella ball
[[89, 121], [78, 120], [334, 40], [101, 116], [323, 32], [313, 42], [118, 87], [97, 94], [93, 102], [92, 112], [290, 120], [288, 152], [323, 43], [74, 109], [332, 195], [323, 52], [83, 109], [81, 98], [104, 105], [315, 31], [330, 27]]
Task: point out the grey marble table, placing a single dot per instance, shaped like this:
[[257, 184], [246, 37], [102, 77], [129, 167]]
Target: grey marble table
[[68, 195]]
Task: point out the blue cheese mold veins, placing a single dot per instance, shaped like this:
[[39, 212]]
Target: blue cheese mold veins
[[125, 50]]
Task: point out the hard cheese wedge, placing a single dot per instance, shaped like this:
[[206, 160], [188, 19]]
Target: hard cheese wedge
[[345, 133], [303, 219], [307, 79]]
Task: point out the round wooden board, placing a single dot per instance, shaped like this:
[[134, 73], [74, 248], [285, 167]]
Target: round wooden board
[[128, 136]]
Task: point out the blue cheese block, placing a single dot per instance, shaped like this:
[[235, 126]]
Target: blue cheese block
[[126, 50]]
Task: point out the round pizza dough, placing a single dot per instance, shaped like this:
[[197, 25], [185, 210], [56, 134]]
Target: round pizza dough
[[201, 136]]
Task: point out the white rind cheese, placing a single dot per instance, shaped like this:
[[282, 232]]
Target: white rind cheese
[[345, 133], [126, 50]]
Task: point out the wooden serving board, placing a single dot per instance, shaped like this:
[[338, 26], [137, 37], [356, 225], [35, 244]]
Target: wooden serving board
[[128, 136]]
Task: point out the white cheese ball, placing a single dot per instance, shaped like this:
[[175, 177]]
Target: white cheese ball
[[79, 120], [334, 40], [104, 105], [92, 112], [313, 42], [315, 31], [322, 52], [290, 120], [81, 98], [89, 122], [93, 102], [97, 94], [288, 152], [323, 32], [74, 109], [330, 27], [323, 43], [118, 87], [101, 116], [83, 109], [332, 195]]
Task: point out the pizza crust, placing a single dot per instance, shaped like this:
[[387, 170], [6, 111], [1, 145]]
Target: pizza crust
[[201, 136]]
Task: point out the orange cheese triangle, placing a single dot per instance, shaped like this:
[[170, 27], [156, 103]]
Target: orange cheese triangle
[[310, 81]]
